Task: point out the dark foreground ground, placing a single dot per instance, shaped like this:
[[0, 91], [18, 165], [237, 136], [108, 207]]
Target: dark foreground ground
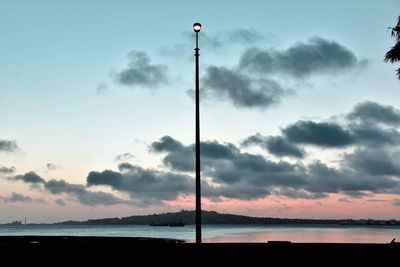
[[119, 251]]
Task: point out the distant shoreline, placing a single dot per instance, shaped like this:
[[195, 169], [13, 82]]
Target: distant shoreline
[[211, 217]]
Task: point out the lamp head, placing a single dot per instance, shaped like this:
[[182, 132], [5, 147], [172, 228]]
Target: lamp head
[[197, 27]]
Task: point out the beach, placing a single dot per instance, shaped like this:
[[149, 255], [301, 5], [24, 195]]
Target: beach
[[117, 251]]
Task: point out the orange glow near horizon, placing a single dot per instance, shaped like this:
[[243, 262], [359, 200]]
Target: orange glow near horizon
[[335, 207]]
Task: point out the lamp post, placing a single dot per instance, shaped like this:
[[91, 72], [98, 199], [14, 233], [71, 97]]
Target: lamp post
[[197, 28]]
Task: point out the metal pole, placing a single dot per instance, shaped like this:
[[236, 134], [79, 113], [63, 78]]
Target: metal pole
[[198, 191]]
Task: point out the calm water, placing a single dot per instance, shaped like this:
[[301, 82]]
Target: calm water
[[223, 233]]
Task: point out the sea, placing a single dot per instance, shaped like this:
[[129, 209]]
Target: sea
[[221, 233]]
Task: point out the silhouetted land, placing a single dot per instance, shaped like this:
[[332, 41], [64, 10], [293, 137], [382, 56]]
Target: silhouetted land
[[212, 217], [118, 251]]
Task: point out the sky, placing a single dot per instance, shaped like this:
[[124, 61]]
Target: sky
[[300, 115]]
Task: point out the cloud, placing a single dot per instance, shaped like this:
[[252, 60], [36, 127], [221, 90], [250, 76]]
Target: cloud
[[316, 56], [8, 146], [251, 176], [77, 191], [372, 167], [240, 175], [396, 202], [141, 73], [212, 41], [353, 132], [241, 89], [376, 200], [52, 166], [83, 195], [374, 161], [320, 134], [371, 135], [16, 197], [6, 170], [254, 83], [60, 202], [245, 36], [371, 112], [357, 194], [145, 185], [223, 39], [344, 200], [124, 157], [29, 177], [101, 88], [296, 194], [324, 179], [276, 145]]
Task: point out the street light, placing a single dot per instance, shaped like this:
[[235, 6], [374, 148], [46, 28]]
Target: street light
[[197, 28]]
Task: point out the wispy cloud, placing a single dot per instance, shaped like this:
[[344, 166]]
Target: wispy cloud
[[52, 166], [16, 197], [124, 156], [7, 170]]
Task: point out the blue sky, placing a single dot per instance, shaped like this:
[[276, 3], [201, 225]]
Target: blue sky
[[62, 100]]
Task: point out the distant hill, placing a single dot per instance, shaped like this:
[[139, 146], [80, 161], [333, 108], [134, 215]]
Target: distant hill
[[213, 217]]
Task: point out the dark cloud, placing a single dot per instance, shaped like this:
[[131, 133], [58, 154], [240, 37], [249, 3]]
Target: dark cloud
[[166, 144], [360, 133], [60, 202], [16, 197], [357, 194], [241, 89], [371, 135], [8, 146], [107, 177], [316, 56], [77, 191], [124, 156], [179, 157], [372, 112], [322, 134], [6, 170], [276, 145], [83, 195], [251, 84], [374, 161], [29, 177], [236, 173], [141, 73], [52, 166], [125, 167], [324, 179], [144, 185]]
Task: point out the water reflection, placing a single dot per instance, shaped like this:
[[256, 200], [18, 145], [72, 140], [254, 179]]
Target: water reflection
[[317, 235]]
